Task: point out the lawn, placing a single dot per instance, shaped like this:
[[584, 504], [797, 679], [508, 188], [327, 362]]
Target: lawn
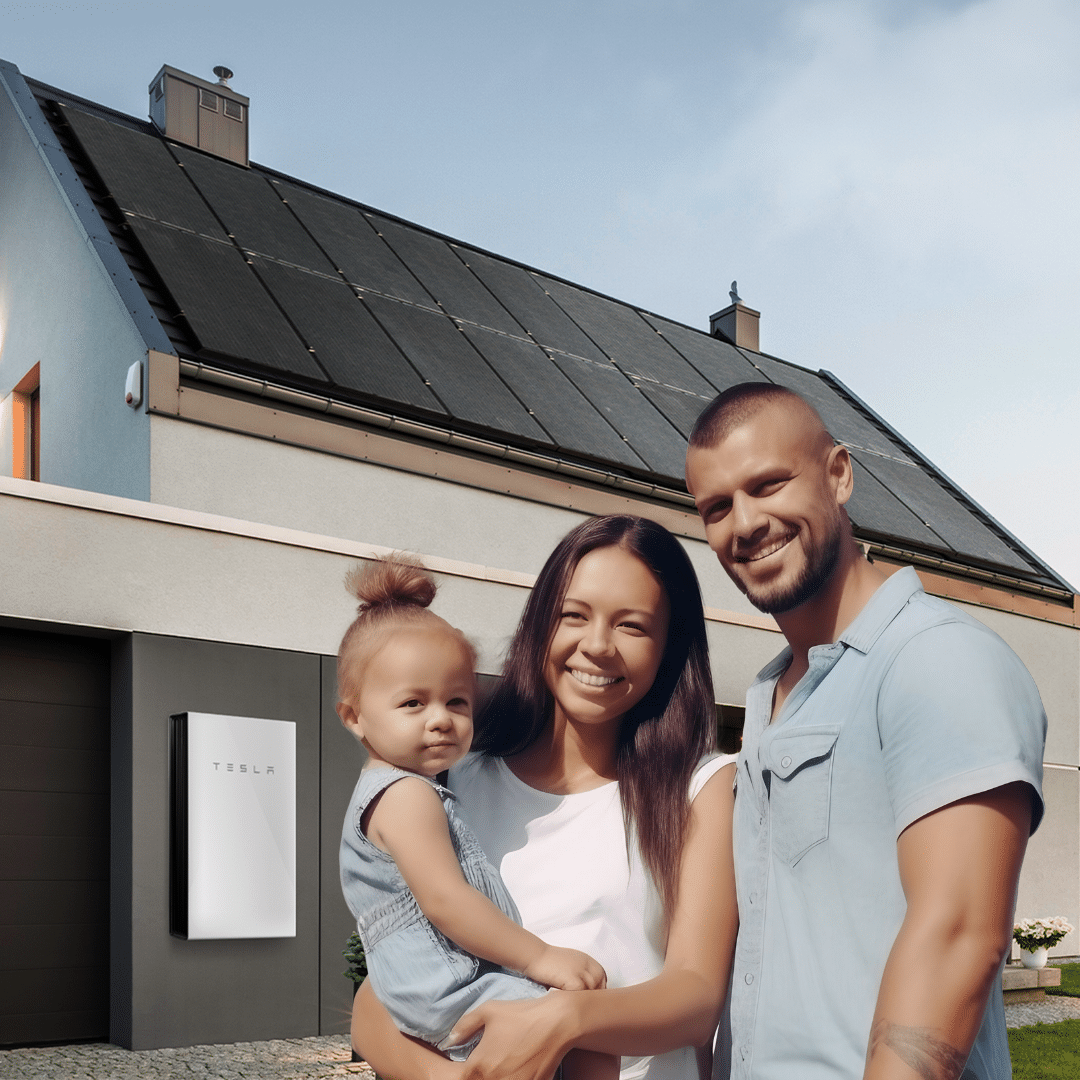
[[1070, 981], [1046, 1051]]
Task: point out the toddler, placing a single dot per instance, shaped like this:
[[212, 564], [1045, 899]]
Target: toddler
[[441, 934]]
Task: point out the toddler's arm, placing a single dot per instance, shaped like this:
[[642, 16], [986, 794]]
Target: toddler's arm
[[409, 823]]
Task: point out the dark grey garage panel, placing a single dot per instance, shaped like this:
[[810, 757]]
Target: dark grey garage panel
[[720, 363], [627, 338], [650, 436], [54, 837], [347, 340], [523, 296], [141, 174], [227, 309], [353, 245], [445, 276], [460, 378], [251, 210], [552, 398]]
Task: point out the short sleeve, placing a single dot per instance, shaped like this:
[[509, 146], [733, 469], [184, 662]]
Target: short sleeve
[[958, 714], [706, 769]]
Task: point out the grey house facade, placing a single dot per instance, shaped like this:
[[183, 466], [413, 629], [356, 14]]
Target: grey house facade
[[220, 388]]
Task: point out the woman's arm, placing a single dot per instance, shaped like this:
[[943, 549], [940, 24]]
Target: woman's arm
[[680, 1007], [409, 823]]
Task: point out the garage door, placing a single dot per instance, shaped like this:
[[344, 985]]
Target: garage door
[[54, 838]]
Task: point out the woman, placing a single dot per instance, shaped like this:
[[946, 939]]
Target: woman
[[591, 798]]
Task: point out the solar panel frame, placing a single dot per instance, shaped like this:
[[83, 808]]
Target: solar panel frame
[[351, 243], [251, 210], [352, 347], [649, 433], [141, 175], [627, 338], [519, 291], [225, 305], [457, 289], [457, 374], [873, 508], [565, 413], [717, 361]]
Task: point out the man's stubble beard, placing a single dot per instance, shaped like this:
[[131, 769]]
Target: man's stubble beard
[[821, 563]]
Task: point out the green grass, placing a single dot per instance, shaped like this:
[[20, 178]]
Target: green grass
[[1046, 1051], [1070, 982]]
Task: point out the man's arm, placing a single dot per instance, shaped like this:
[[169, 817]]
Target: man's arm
[[959, 867]]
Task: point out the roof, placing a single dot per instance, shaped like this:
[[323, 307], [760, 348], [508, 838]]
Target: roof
[[254, 272]]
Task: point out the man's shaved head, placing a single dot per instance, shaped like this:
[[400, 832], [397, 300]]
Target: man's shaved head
[[739, 403]]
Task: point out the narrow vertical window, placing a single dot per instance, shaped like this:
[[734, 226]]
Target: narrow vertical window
[[26, 426]]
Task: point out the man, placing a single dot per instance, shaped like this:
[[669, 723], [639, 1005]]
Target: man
[[889, 778]]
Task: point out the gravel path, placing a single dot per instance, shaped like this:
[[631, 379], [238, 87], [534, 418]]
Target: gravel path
[[324, 1057], [320, 1058]]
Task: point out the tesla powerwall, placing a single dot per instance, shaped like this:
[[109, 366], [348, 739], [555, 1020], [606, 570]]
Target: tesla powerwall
[[233, 871]]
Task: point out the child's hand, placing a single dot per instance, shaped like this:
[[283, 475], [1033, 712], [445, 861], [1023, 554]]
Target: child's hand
[[566, 969]]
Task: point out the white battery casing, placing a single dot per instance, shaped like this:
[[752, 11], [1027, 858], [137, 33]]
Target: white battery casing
[[241, 827]]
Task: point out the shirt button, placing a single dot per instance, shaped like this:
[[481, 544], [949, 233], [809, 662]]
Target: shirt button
[[785, 762], [748, 978]]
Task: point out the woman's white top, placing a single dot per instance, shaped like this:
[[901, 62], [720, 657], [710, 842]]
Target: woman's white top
[[564, 860]]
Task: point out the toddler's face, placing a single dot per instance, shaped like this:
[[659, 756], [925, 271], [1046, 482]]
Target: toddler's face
[[414, 706]]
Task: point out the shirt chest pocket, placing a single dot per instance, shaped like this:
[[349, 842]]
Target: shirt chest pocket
[[800, 789]]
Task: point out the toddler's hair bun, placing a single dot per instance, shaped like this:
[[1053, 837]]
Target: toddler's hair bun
[[389, 582]]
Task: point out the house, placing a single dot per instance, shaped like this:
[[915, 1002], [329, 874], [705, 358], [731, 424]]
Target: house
[[221, 387]]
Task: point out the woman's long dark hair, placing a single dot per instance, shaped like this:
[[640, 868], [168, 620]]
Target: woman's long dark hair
[[661, 738]]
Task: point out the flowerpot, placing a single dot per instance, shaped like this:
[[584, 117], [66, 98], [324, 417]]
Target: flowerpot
[[1034, 959]]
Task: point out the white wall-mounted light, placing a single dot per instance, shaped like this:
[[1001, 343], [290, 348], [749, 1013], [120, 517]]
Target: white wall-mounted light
[[133, 387], [233, 858]]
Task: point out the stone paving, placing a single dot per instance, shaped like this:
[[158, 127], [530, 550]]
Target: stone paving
[[323, 1057]]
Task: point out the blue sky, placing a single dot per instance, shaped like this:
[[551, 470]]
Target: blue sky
[[892, 182]]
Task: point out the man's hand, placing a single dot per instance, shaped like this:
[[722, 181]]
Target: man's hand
[[566, 969], [959, 867]]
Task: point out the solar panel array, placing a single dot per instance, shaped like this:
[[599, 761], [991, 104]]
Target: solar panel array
[[274, 277]]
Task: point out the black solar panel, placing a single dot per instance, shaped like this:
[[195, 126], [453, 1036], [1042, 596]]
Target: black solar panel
[[445, 276], [630, 413], [627, 338], [228, 310], [722, 364], [874, 509], [251, 210], [960, 528], [141, 174], [351, 242], [458, 375], [522, 295], [553, 399], [680, 409], [347, 340], [844, 422]]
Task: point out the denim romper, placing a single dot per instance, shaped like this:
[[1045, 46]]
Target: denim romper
[[423, 979]]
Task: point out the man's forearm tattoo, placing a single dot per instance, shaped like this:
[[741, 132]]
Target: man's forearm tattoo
[[931, 1057]]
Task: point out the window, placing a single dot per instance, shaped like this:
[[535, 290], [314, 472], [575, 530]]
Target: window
[[232, 109], [208, 100], [26, 426]]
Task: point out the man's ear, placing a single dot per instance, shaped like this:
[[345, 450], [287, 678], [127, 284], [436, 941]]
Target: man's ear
[[350, 719], [841, 475]]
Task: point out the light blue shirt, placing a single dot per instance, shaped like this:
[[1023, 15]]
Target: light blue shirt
[[917, 705]]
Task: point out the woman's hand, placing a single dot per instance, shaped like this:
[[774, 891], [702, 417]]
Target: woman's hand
[[525, 1040]]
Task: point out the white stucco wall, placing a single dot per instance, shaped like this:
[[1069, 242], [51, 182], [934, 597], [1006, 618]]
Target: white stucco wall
[[60, 307]]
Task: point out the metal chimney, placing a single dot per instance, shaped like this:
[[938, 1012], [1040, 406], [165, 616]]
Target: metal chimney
[[736, 323], [211, 116]]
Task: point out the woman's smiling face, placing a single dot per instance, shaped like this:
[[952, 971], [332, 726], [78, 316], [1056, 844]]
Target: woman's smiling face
[[609, 639]]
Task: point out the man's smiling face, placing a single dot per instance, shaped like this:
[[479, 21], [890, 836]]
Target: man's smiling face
[[770, 498]]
